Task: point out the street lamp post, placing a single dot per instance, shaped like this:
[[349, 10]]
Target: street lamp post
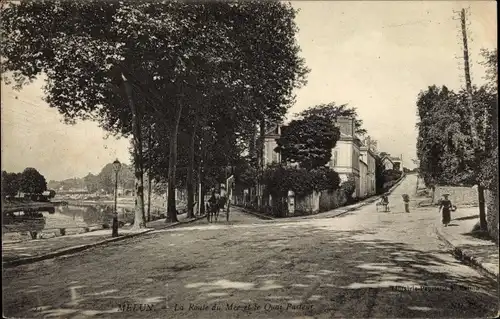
[[116, 167]]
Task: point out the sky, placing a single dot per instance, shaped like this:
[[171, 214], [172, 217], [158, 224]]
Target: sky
[[374, 56]]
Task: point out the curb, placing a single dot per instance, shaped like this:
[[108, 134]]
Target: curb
[[75, 249], [256, 214], [348, 210], [180, 223], [466, 258]]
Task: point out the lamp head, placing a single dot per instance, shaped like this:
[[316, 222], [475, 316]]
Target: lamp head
[[117, 165]]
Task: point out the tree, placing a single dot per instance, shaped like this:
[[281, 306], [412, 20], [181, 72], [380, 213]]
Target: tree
[[230, 88], [32, 182], [308, 141], [379, 175], [446, 148], [489, 172], [332, 111], [75, 45], [10, 184], [92, 183], [123, 64]]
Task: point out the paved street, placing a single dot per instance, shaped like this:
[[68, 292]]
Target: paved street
[[343, 267]]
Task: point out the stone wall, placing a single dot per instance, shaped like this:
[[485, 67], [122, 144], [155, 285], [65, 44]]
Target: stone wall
[[329, 200], [304, 205], [459, 196]]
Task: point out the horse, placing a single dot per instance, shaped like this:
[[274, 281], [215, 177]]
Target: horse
[[213, 209]]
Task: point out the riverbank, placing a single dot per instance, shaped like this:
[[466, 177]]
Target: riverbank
[[14, 206], [124, 202]]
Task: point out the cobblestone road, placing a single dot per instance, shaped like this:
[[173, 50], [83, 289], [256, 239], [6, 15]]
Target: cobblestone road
[[363, 264]]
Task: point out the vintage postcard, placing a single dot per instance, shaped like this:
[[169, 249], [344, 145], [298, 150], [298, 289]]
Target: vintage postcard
[[249, 159]]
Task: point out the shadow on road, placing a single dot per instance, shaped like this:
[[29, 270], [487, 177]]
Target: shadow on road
[[467, 217], [342, 273]]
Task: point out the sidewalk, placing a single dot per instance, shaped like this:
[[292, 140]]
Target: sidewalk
[[25, 252], [481, 253]]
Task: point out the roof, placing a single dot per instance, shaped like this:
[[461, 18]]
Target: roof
[[387, 158]]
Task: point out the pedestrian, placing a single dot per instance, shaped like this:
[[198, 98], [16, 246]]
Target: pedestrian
[[385, 201], [445, 206], [406, 200]]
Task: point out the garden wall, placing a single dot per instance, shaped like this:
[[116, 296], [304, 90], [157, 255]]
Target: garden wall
[[329, 200], [459, 196]]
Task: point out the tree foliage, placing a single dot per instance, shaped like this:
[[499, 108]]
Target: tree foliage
[[201, 63], [308, 141], [333, 111], [11, 184], [445, 147], [32, 182]]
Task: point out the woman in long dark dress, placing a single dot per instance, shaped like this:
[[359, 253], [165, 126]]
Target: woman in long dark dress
[[445, 206]]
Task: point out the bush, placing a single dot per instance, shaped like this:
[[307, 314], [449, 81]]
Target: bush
[[391, 175], [348, 188], [279, 180]]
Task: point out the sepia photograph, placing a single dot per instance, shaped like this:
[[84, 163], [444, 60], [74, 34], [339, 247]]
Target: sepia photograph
[[249, 159]]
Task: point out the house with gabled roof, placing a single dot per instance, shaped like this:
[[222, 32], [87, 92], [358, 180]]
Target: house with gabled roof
[[392, 162]]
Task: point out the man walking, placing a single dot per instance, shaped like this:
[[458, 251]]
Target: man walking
[[406, 200]]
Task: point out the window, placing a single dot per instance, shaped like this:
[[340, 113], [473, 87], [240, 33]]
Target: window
[[334, 159]]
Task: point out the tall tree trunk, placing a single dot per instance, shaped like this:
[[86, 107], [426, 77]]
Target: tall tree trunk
[[482, 210], [137, 153], [190, 175], [150, 139], [201, 197], [172, 166], [495, 191], [260, 152]]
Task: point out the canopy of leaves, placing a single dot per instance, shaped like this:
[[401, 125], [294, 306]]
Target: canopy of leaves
[[444, 147], [32, 182], [490, 62], [332, 111], [308, 141], [226, 65], [11, 184]]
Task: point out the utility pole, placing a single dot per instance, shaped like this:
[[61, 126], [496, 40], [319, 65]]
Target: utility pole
[[468, 82], [472, 119]]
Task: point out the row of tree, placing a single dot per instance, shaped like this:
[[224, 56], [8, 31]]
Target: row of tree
[[188, 81], [30, 181], [447, 151], [104, 181]]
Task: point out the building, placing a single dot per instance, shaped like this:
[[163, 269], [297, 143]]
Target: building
[[368, 157], [363, 178], [345, 155], [269, 154], [392, 162], [350, 158]]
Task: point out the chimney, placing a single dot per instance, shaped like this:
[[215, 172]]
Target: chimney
[[346, 125]]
